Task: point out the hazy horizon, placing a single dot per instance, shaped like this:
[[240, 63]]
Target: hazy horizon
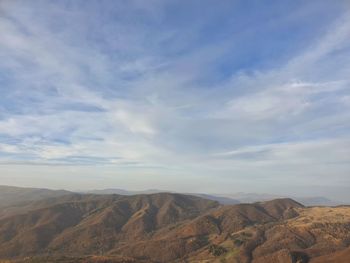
[[198, 96]]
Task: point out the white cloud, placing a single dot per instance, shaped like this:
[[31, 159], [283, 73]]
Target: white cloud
[[135, 105]]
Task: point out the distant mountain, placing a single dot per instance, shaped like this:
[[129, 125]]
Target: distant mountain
[[122, 191], [250, 197], [24, 207], [258, 197], [108, 191], [169, 227], [317, 201], [10, 195], [221, 199]]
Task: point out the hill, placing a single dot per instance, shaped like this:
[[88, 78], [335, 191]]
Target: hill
[[94, 223], [167, 227]]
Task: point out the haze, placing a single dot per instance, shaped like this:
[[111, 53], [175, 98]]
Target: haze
[[188, 96]]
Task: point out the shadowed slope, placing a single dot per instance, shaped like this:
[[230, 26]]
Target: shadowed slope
[[203, 230], [94, 224]]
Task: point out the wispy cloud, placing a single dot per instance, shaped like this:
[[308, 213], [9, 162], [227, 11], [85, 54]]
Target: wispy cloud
[[130, 85]]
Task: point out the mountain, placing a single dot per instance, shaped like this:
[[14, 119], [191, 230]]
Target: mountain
[[169, 227], [317, 201], [230, 199], [10, 195], [222, 200], [93, 224], [256, 197], [118, 191], [26, 206], [109, 191], [250, 197]]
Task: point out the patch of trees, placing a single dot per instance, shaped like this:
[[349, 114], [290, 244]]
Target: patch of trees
[[216, 250]]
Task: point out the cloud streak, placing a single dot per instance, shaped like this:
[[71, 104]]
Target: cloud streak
[[130, 87]]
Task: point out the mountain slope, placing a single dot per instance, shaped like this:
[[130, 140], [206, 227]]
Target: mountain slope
[[210, 228], [91, 224], [166, 227]]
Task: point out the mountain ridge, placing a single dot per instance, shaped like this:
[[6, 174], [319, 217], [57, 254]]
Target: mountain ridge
[[171, 227]]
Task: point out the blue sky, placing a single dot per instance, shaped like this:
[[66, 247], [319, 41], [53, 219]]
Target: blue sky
[[215, 96]]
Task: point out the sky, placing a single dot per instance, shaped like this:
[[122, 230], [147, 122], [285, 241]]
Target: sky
[[191, 96]]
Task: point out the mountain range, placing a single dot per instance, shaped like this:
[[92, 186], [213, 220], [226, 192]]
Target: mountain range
[[234, 198], [42, 225]]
